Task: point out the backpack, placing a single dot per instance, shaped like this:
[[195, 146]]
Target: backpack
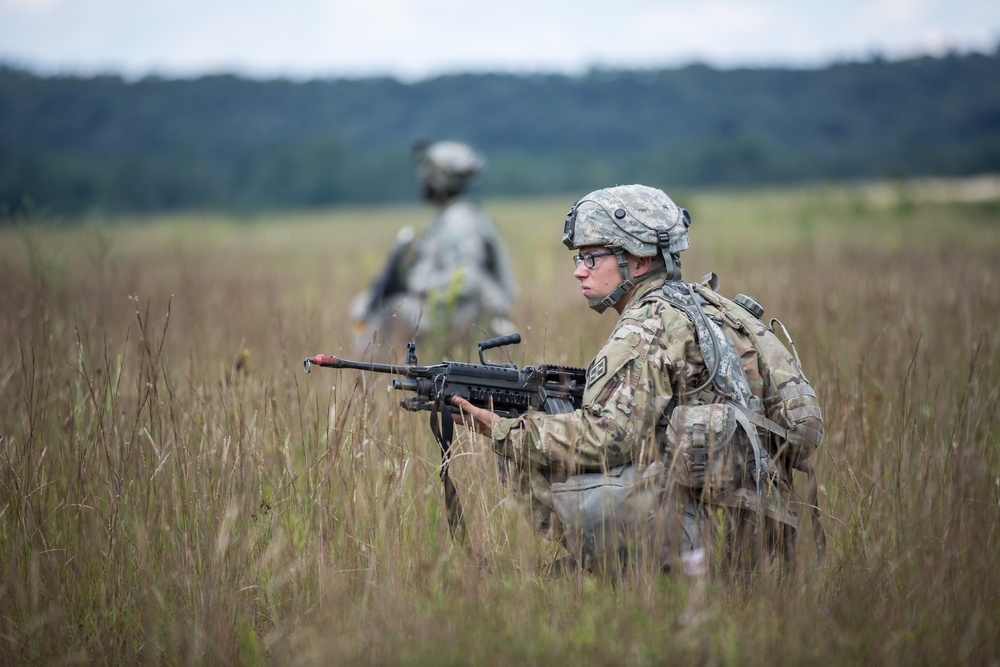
[[749, 425], [790, 410], [788, 417]]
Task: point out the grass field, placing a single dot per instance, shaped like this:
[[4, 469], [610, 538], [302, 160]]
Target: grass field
[[173, 489]]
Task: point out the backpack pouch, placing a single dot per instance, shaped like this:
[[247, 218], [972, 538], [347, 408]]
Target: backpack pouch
[[704, 448]]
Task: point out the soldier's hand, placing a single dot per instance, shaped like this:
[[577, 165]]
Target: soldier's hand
[[478, 418]]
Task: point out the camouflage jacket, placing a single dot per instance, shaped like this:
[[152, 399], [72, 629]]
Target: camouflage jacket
[[651, 354], [461, 256], [629, 384]]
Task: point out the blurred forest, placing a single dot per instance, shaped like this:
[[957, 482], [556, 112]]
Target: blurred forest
[[74, 146]]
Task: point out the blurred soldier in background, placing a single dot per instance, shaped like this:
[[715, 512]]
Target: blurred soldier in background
[[453, 284], [671, 455]]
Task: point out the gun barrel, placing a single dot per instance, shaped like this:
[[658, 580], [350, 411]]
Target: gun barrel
[[335, 362]]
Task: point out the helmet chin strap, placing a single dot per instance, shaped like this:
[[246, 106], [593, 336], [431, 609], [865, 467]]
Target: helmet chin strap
[[600, 305], [672, 269], [673, 266], [671, 260]]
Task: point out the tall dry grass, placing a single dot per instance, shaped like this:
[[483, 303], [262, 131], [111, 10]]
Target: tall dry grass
[[174, 489]]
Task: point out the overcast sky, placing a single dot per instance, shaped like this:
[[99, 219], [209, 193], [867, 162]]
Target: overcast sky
[[411, 39]]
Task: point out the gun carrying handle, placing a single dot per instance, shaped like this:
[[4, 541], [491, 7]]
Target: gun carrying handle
[[499, 341]]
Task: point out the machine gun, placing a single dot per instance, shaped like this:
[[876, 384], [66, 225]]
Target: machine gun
[[502, 388]]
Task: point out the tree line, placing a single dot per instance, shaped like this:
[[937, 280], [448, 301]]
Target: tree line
[[76, 145]]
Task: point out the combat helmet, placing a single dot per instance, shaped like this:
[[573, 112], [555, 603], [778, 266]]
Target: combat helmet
[[634, 219], [447, 167]]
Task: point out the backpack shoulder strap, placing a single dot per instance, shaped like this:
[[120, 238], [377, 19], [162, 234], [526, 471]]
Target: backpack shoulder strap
[[725, 370]]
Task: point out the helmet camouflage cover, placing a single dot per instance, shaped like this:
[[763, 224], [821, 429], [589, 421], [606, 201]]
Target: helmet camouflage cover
[[635, 219], [638, 219], [448, 165]]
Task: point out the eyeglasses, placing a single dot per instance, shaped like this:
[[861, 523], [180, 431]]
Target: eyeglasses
[[588, 258]]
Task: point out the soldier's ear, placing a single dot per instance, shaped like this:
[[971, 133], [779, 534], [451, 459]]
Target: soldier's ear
[[643, 265]]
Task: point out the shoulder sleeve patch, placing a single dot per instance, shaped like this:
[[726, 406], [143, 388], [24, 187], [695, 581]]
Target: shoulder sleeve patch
[[598, 368], [602, 372]]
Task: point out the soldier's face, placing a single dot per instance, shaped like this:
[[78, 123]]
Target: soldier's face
[[600, 281]]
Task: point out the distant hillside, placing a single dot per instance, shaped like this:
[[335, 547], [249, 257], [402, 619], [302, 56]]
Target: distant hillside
[[73, 145]]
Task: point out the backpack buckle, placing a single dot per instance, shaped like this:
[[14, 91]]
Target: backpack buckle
[[732, 321]]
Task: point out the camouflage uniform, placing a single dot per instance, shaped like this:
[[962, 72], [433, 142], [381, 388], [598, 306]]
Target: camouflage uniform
[[460, 267], [650, 360], [651, 363], [457, 279], [630, 382]]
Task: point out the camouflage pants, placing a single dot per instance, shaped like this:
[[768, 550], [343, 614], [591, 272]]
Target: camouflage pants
[[618, 520]]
